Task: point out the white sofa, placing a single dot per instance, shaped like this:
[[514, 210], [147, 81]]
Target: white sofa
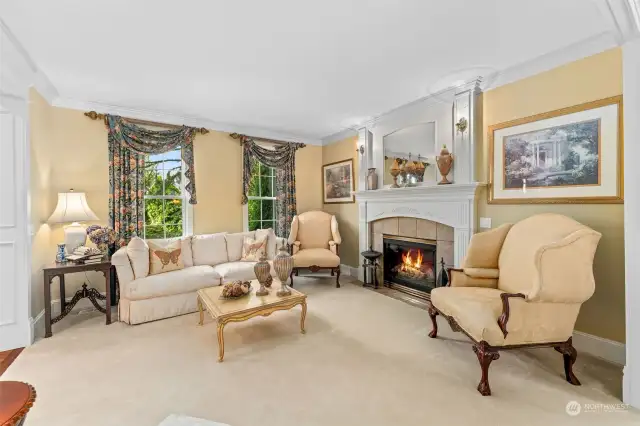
[[209, 260]]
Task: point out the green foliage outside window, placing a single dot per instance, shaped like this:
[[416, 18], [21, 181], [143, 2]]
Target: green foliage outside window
[[163, 195], [261, 208]]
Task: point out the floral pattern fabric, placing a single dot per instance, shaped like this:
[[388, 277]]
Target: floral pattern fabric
[[283, 159], [128, 146]]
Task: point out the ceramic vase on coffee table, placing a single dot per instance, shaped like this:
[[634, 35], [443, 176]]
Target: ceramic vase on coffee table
[[262, 270]]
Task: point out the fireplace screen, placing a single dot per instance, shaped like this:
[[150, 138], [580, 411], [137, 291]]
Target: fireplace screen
[[410, 262]]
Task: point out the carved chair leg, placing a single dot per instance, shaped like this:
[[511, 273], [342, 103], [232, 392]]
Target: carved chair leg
[[485, 355], [291, 276], [332, 272], [433, 314], [569, 354], [337, 277]]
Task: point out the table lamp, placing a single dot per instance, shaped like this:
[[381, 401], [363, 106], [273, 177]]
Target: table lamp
[[72, 207]]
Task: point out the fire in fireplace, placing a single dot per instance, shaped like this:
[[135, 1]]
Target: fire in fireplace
[[410, 264]]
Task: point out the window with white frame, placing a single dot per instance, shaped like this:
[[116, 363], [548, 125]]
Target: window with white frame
[[261, 209], [167, 212]]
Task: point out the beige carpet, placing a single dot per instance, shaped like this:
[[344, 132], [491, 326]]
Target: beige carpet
[[365, 360]]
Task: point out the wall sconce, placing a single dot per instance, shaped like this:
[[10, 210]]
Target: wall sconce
[[360, 149]]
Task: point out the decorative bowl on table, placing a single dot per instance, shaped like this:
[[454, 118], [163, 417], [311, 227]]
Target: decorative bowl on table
[[235, 290]]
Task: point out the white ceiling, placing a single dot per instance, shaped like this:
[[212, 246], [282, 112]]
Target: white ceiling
[[305, 68]]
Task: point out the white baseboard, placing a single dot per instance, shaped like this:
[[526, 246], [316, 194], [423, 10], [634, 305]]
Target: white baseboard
[[35, 322], [609, 350], [349, 270]]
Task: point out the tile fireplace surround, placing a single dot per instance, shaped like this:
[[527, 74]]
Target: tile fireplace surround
[[445, 213]]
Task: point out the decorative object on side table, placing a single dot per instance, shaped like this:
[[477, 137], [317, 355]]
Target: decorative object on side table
[[60, 254], [445, 162], [283, 265], [72, 207], [571, 155], [372, 179], [371, 263], [262, 270], [104, 237], [235, 289], [337, 180]]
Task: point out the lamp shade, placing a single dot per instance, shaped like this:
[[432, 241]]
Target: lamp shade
[[72, 207]]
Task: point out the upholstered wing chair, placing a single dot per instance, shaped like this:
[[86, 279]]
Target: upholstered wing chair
[[520, 286], [314, 241]]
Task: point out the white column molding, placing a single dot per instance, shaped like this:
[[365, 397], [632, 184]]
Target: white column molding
[[464, 107], [631, 93], [364, 235]]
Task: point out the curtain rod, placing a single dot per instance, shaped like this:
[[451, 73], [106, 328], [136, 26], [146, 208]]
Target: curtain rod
[[257, 138], [97, 116]]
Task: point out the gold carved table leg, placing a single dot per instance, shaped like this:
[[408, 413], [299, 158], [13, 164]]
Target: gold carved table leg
[[220, 342], [303, 316], [200, 309]]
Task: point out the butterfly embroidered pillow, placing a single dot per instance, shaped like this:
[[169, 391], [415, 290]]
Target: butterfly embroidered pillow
[[253, 250], [165, 256]]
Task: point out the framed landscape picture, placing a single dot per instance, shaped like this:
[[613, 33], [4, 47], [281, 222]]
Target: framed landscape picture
[[571, 155], [337, 180]]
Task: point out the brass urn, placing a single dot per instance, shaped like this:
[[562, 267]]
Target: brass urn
[[445, 162], [395, 171]]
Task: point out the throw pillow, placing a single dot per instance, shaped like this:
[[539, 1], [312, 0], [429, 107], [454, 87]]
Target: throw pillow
[[138, 253], [253, 250], [165, 257]]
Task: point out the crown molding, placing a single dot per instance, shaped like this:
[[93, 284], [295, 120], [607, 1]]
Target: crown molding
[[176, 119], [339, 136]]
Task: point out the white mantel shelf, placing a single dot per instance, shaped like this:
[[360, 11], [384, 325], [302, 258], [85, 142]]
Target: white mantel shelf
[[422, 192]]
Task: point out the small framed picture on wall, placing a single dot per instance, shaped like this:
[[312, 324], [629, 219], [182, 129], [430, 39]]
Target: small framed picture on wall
[[337, 180], [571, 155]]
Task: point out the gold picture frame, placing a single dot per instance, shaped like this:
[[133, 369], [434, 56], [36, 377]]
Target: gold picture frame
[[337, 185], [499, 193]]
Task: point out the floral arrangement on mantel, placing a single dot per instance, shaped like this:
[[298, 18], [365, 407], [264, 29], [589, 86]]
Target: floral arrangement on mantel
[[102, 236]]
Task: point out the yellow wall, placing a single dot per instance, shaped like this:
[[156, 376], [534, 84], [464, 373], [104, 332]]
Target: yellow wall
[[347, 214], [589, 79], [68, 150]]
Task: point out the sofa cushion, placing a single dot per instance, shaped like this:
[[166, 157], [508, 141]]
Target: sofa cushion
[[271, 241], [234, 244], [232, 271], [165, 256], [209, 249], [475, 309], [323, 258], [175, 282], [138, 253], [254, 250]]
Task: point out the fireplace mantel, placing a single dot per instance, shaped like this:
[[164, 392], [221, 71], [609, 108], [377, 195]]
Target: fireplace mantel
[[453, 205]]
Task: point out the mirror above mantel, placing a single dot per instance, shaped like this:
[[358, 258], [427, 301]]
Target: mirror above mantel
[[413, 146]]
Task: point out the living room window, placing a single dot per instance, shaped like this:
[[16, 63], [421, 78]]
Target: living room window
[[167, 212], [260, 212]]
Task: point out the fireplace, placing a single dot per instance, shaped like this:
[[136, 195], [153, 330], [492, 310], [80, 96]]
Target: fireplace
[[409, 264]]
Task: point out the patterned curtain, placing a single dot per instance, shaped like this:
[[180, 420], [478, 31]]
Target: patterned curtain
[[283, 159], [128, 146]]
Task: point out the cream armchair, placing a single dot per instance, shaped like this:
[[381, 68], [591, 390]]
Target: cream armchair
[[520, 286], [315, 241]]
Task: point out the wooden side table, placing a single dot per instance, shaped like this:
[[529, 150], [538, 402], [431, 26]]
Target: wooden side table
[[16, 399], [59, 270]]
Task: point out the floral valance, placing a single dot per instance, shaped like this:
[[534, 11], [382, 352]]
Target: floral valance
[[146, 141], [283, 159]]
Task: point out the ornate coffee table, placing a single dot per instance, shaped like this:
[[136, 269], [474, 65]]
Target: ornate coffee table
[[224, 311]]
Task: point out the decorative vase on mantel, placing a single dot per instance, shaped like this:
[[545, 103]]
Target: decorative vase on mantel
[[262, 270], [283, 265], [445, 162], [372, 179]]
